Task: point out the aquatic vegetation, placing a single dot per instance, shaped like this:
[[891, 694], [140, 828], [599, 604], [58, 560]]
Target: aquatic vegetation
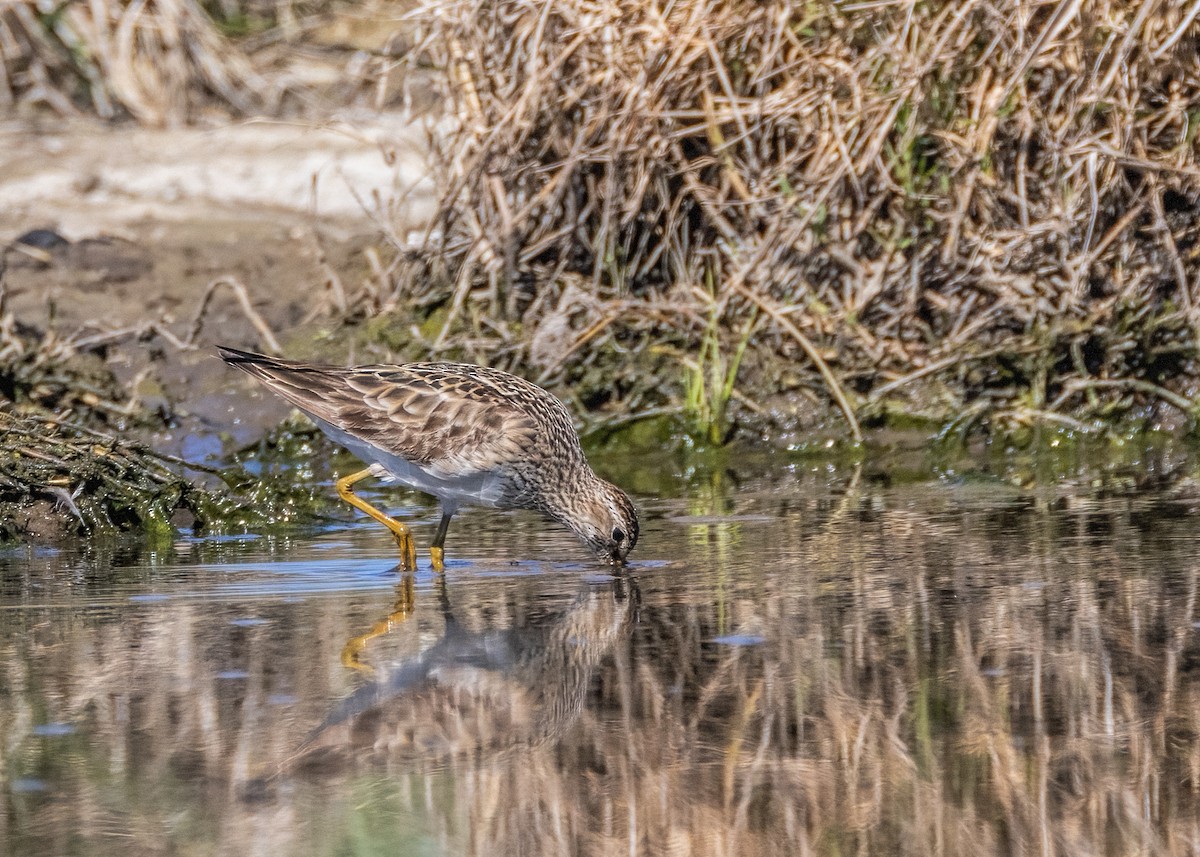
[[712, 378], [55, 475]]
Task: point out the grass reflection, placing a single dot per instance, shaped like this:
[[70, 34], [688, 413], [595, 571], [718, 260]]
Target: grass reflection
[[930, 669]]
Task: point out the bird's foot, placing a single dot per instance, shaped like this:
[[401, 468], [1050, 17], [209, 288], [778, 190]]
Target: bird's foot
[[400, 532]]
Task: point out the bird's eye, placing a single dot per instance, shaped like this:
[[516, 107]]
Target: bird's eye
[[618, 535]]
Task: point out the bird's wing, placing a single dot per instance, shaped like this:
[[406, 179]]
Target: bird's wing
[[450, 423], [450, 419]]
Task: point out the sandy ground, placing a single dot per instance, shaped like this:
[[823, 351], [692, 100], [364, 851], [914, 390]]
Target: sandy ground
[[153, 217], [87, 178]]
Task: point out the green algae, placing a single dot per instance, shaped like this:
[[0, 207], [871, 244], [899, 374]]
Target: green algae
[[60, 479]]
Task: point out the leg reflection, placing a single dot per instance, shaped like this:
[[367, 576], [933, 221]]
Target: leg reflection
[[401, 610]]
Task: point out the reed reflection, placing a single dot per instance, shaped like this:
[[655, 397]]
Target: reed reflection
[[909, 671]]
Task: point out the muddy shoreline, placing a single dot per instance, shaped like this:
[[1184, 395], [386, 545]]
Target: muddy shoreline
[[150, 222], [130, 253]]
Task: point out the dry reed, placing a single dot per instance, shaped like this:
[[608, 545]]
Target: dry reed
[[978, 211], [986, 206], [162, 62], [169, 62]]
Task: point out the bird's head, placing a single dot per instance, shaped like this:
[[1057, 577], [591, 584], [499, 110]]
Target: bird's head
[[606, 521]]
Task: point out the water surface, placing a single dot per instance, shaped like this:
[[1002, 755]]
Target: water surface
[[800, 660]]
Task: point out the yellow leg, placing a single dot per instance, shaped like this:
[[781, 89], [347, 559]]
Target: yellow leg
[[437, 554], [400, 532], [401, 610]]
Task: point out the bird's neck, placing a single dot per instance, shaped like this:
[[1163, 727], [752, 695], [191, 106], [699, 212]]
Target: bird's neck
[[568, 493]]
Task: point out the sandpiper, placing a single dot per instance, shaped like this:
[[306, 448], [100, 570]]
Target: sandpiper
[[468, 435]]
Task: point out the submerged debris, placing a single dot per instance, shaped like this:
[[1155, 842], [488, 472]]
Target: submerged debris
[[59, 478]]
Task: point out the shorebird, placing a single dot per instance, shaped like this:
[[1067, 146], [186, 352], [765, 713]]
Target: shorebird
[[468, 435]]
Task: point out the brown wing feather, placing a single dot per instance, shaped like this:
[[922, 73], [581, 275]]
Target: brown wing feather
[[445, 417], [437, 417]]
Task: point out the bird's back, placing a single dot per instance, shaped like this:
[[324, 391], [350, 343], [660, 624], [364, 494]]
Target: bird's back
[[455, 430]]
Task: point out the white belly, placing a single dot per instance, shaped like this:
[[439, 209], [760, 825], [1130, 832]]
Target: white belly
[[473, 489]]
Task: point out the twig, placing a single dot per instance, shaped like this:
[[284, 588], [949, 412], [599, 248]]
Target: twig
[[831, 381], [248, 310], [1029, 415], [1168, 239], [582, 339], [930, 369], [1181, 402], [1178, 32]]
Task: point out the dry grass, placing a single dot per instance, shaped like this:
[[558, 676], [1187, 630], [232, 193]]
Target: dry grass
[[169, 62], [987, 202], [161, 62], [977, 211]]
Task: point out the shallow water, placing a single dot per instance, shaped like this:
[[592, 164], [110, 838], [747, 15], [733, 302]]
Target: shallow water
[[799, 660]]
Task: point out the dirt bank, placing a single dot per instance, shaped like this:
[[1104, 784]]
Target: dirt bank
[[149, 239]]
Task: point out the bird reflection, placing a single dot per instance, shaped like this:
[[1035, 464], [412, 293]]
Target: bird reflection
[[476, 692]]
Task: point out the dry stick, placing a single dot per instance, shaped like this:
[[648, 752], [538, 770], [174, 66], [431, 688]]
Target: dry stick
[[929, 369], [465, 276], [1027, 416], [835, 389], [1181, 402], [1127, 160], [243, 297], [1022, 181], [1091, 160], [40, 456], [104, 337], [1179, 31], [962, 200], [840, 135], [1087, 257], [111, 439], [1160, 223], [1063, 15], [581, 340], [464, 78], [1131, 35], [720, 147]]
